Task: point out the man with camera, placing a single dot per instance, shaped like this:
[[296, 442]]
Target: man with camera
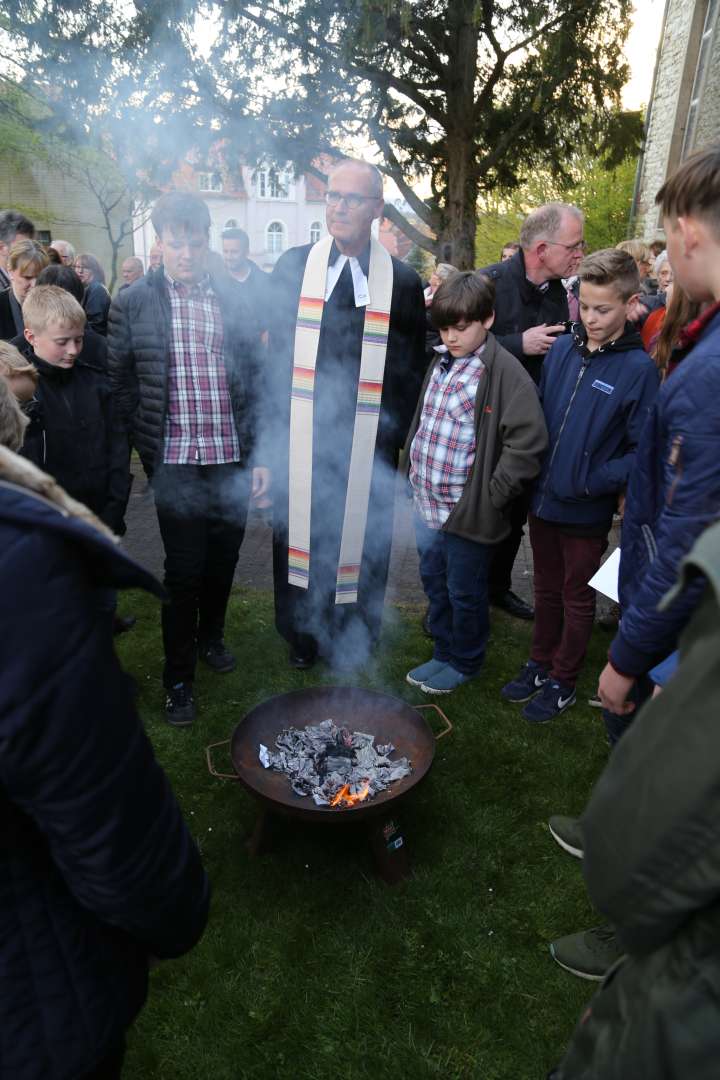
[[531, 309]]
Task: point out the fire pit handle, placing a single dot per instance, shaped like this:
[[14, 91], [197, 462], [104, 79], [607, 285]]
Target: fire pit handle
[[441, 714], [211, 768]]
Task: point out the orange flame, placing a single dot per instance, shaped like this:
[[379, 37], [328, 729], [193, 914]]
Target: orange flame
[[345, 798]]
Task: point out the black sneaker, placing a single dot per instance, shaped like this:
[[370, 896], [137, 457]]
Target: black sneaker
[[180, 705], [217, 657], [566, 831], [528, 683], [554, 698], [589, 954]]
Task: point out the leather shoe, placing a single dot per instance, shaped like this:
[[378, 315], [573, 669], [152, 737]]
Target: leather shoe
[[217, 657], [302, 661], [513, 605]]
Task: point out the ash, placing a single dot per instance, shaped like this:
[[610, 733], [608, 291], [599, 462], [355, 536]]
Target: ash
[[323, 759]]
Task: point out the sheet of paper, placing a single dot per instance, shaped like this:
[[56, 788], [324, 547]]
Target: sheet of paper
[[605, 581]]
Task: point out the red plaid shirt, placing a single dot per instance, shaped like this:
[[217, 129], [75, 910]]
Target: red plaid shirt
[[199, 426], [443, 450]]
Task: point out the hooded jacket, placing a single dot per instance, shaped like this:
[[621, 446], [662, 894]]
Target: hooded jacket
[[595, 406], [651, 835], [139, 356], [510, 438], [97, 868], [673, 495]]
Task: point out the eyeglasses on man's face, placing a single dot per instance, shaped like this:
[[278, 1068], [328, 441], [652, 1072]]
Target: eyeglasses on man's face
[[351, 199], [581, 245]]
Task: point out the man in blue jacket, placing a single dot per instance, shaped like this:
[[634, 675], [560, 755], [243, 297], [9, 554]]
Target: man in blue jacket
[[597, 387], [98, 871]]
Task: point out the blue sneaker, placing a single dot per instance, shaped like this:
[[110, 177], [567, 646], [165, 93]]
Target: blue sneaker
[[529, 682], [417, 676], [553, 699], [446, 680]]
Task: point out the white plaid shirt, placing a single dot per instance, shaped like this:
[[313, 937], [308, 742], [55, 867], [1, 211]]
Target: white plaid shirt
[[443, 449], [199, 426]]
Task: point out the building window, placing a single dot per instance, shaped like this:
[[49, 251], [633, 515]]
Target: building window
[[315, 232], [275, 237], [273, 184], [231, 223], [209, 181]]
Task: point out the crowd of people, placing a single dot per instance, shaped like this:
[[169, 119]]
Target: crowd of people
[[555, 389]]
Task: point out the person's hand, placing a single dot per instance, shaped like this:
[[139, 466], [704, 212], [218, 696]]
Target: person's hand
[[537, 340], [613, 689], [621, 505], [260, 486], [636, 310]]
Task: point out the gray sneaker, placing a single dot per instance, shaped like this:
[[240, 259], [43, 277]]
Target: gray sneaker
[[589, 954], [566, 830]]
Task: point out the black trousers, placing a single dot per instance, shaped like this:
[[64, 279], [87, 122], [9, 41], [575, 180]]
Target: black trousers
[[202, 510], [110, 1068], [505, 553]]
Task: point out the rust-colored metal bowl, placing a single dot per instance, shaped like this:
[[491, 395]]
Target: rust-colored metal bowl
[[385, 717]]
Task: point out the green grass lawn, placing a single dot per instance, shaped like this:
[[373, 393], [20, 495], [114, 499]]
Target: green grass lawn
[[313, 969]]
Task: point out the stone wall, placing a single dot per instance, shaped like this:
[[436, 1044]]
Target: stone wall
[[675, 75]]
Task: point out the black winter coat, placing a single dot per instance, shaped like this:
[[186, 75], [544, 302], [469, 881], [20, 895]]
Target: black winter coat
[[8, 327], [74, 437], [139, 353], [97, 868], [519, 305], [96, 302]]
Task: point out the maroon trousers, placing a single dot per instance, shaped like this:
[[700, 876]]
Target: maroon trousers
[[564, 602]]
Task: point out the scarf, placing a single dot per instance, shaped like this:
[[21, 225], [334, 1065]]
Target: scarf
[[367, 415]]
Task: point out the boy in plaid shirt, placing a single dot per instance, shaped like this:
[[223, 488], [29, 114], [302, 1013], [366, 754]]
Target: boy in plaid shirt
[[477, 438]]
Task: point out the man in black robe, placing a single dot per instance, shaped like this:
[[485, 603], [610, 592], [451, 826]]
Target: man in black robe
[[310, 619]]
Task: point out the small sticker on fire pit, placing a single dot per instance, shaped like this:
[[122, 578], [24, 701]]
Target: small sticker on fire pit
[[336, 766]]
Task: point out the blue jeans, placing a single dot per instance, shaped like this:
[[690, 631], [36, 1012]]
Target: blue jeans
[[454, 574]]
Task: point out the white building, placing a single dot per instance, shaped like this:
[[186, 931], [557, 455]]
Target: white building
[[276, 210]]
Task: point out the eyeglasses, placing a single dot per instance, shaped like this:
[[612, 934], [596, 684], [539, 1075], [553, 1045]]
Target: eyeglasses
[[351, 200], [580, 246]]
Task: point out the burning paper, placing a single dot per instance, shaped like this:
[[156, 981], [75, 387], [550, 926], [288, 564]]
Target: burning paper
[[336, 766]]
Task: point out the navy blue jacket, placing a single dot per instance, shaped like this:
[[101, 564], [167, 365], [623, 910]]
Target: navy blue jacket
[[97, 869], [673, 495], [595, 406]]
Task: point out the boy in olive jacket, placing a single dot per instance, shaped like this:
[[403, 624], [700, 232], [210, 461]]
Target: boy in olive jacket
[[478, 436]]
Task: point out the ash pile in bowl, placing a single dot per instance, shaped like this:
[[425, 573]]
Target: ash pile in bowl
[[336, 766]]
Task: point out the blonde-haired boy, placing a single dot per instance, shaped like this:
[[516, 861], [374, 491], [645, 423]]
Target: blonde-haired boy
[[72, 435], [20, 375]]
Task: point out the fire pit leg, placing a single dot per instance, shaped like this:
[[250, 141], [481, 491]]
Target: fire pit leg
[[260, 842], [389, 851]]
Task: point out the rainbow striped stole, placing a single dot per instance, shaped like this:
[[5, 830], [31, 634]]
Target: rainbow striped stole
[[367, 412]]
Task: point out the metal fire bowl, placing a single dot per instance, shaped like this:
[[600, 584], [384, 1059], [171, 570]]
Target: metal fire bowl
[[385, 717]]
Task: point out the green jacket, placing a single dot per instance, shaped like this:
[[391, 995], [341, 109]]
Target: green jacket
[[652, 866], [511, 438]]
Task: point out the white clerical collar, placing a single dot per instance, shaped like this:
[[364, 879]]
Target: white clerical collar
[[359, 280]]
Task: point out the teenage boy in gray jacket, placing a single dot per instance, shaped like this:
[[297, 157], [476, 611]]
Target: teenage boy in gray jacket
[[477, 437]]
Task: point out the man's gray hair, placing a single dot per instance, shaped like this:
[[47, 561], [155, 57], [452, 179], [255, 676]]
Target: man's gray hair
[[12, 224], [660, 262], [375, 174], [137, 263], [546, 222], [64, 248]]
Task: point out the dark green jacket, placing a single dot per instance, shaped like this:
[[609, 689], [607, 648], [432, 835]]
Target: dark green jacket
[[652, 866], [511, 438]]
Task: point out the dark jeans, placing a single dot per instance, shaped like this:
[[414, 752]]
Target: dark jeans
[[201, 511], [454, 576], [564, 602], [505, 553]]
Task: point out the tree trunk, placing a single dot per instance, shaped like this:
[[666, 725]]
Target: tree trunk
[[456, 239], [456, 242]]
